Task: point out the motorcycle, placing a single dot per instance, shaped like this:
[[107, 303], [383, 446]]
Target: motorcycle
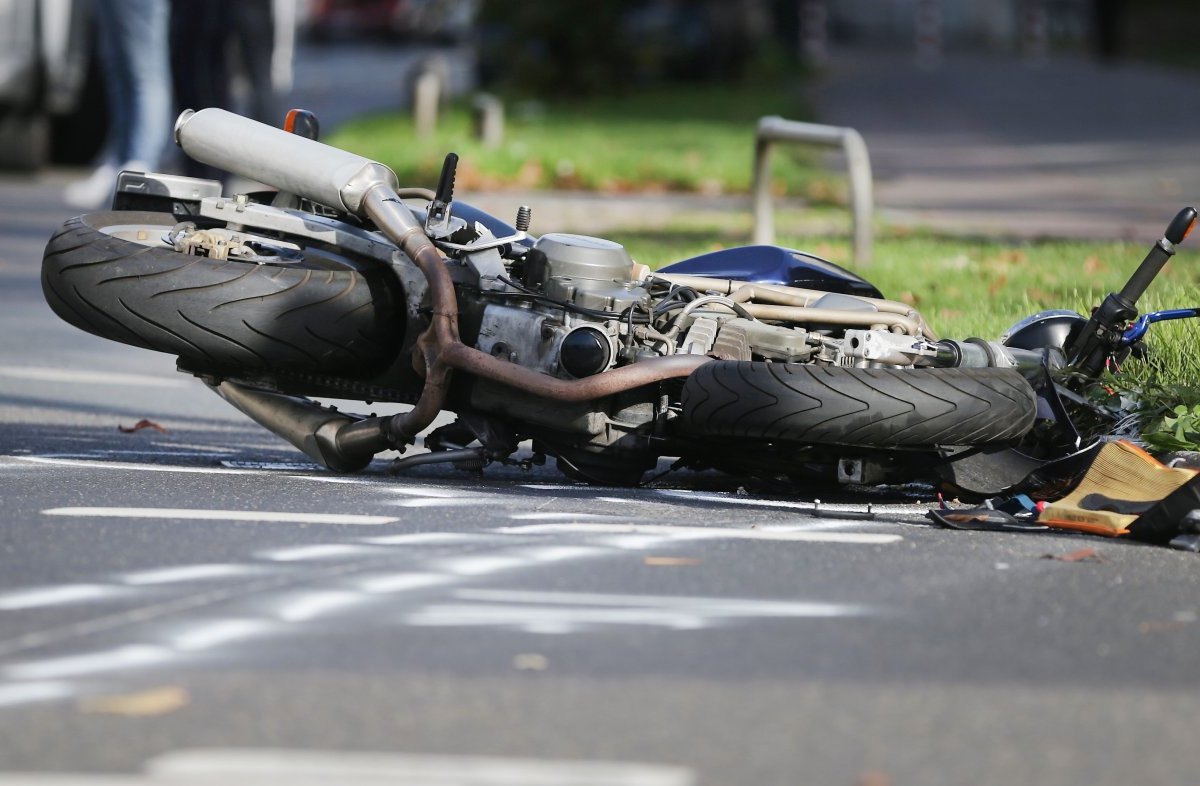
[[759, 361]]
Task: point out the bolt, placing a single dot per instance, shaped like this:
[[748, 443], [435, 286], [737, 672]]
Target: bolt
[[524, 216]]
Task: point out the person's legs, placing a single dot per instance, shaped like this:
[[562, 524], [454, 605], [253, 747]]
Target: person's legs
[[142, 27], [93, 191], [254, 37]]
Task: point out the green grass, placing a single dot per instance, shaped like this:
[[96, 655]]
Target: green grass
[[694, 139]]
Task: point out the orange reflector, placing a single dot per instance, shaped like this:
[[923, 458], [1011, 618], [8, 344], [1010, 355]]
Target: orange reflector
[[289, 122], [1188, 231]]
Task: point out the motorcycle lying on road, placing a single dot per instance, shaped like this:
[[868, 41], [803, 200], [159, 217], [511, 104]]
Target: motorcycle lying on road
[[760, 361]]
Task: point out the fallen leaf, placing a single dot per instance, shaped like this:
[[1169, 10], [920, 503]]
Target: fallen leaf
[[874, 778], [1093, 265], [530, 661], [670, 562], [1080, 555], [156, 701], [1162, 626], [141, 424]]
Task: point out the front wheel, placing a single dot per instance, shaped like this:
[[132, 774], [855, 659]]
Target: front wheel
[[901, 408]]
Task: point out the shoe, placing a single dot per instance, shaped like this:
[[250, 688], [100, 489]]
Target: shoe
[[94, 191]]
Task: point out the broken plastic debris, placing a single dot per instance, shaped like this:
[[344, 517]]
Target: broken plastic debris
[[155, 701], [1079, 555], [530, 661], [670, 562], [141, 424]]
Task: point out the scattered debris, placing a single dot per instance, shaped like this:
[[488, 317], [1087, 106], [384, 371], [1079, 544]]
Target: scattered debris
[[670, 562], [530, 661], [141, 424], [155, 701], [873, 778], [1163, 626], [1079, 555]]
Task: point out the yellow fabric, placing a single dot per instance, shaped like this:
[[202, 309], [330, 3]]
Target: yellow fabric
[[1122, 471]]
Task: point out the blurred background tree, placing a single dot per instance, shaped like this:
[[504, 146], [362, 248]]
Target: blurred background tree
[[551, 48]]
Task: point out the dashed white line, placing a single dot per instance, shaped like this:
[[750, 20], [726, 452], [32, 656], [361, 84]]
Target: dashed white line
[[196, 514], [129, 466], [53, 596], [296, 766], [309, 605], [131, 656], [444, 502], [76, 376], [17, 693], [317, 551], [401, 582], [421, 538], [218, 632], [182, 573], [669, 531]]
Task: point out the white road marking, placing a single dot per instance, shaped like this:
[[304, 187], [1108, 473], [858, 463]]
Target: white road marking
[[309, 605], [344, 767], [181, 573], [76, 376], [741, 606], [401, 582], [562, 553], [16, 693], [480, 565], [420, 538], [555, 486], [132, 466], [569, 612], [673, 532], [444, 502], [54, 596], [218, 632], [316, 551], [561, 516], [191, 446], [341, 480], [435, 491], [261, 516], [730, 499], [128, 657]]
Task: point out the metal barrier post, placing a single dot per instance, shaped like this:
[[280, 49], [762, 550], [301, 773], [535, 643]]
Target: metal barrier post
[[858, 162]]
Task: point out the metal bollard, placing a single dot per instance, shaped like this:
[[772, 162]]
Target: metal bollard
[[488, 114], [427, 95], [858, 163]]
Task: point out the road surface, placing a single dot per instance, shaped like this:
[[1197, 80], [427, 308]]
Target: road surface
[[201, 603]]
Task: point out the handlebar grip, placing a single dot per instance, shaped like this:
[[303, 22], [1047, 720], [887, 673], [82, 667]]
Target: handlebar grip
[[286, 161], [1162, 251]]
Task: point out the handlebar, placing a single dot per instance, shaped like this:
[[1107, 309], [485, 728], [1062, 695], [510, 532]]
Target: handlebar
[[1103, 334], [1162, 251]]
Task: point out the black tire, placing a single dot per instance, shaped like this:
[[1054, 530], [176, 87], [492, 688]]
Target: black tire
[[323, 313], [855, 406]]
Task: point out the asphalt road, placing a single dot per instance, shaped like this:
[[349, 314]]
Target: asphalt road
[[202, 605]]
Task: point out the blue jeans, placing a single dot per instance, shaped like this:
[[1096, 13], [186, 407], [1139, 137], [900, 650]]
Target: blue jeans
[[133, 37]]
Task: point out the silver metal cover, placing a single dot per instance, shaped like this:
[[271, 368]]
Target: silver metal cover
[[586, 258]]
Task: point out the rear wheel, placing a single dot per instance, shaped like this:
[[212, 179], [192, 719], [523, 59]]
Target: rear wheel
[[902, 408], [114, 274]]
